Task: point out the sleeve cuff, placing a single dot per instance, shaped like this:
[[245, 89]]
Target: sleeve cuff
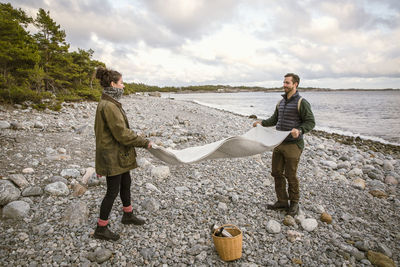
[[147, 143]]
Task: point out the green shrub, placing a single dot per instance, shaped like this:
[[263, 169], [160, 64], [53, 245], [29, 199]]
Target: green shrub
[[89, 94], [68, 98], [40, 106], [17, 94]]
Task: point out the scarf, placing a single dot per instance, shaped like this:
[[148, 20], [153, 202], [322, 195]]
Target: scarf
[[114, 92]]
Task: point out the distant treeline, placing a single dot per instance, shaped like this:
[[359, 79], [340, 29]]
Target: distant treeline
[[139, 87]]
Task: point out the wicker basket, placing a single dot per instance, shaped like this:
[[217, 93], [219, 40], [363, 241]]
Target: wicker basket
[[229, 248]]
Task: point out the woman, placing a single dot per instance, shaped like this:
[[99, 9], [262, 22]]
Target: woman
[[115, 151]]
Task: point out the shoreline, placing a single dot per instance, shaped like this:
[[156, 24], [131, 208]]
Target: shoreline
[[238, 90], [359, 142], [364, 144]]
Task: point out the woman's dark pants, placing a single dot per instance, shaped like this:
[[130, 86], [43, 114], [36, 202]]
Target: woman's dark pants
[[116, 184]]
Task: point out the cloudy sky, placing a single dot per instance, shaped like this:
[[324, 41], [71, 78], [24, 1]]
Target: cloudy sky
[[330, 43]]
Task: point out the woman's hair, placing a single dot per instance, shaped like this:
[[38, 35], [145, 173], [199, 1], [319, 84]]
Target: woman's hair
[[107, 76]]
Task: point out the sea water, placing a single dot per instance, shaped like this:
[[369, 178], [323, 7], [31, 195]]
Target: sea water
[[372, 114]]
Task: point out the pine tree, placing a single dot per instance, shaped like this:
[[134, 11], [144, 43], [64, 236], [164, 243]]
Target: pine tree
[[53, 50], [18, 51], [32, 67]]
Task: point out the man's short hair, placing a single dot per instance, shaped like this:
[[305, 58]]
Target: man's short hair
[[295, 78]]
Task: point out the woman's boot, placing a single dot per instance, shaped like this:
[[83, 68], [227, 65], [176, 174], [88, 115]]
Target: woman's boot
[[102, 232], [129, 218]]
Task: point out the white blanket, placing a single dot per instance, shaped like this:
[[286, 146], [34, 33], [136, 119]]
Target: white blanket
[[255, 141]]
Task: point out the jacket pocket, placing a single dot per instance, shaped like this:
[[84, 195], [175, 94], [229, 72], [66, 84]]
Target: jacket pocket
[[109, 158], [126, 156]]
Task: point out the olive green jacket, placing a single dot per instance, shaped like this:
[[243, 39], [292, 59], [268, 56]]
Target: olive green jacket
[[115, 142]]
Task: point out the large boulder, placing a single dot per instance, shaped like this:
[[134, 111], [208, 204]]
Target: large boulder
[[57, 189], [32, 191], [70, 173], [8, 192], [4, 125], [19, 180], [16, 210]]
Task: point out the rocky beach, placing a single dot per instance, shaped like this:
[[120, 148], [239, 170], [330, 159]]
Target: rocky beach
[[50, 195]]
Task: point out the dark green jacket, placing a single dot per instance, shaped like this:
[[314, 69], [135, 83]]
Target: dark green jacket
[[115, 142], [307, 118]]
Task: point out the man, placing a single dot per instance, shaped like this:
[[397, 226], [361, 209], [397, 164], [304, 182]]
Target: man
[[292, 113]]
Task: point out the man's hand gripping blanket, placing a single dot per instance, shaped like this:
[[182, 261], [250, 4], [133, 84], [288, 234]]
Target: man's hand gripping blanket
[[256, 141]]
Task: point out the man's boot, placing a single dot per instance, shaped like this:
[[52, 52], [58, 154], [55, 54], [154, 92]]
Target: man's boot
[[293, 209], [279, 205], [129, 218], [102, 232]]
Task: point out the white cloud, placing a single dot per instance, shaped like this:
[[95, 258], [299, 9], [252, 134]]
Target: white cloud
[[177, 42]]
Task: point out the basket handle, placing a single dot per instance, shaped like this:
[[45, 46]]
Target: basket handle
[[225, 225]]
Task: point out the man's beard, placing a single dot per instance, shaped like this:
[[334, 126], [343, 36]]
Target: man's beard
[[288, 89]]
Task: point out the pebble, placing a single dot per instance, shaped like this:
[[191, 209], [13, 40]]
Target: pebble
[[28, 171], [330, 164], [54, 179], [378, 193], [293, 236], [289, 221], [355, 172], [385, 250], [78, 190], [76, 214], [160, 172], [299, 218], [390, 180], [152, 187], [273, 227], [388, 166], [143, 163], [326, 217], [309, 224], [150, 204], [363, 245], [319, 209], [344, 165], [100, 255], [89, 173], [38, 124], [359, 183], [147, 253], [222, 206], [16, 125], [380, 259]]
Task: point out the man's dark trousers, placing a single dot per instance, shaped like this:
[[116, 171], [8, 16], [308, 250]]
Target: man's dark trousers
[[285, 159]]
